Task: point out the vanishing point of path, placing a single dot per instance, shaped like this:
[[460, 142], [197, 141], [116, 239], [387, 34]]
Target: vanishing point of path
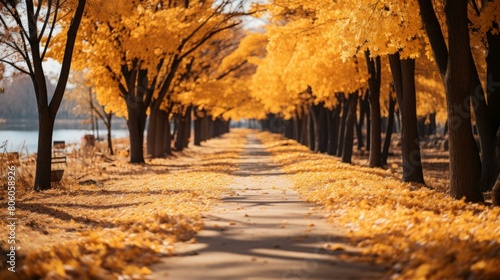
[[264, 231]]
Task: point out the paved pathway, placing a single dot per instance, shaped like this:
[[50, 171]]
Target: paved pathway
[[263, 232]]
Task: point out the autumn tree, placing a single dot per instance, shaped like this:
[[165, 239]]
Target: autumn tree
[[27, 31], [222, 89], [463, 88], [134, 59], [86, 104]]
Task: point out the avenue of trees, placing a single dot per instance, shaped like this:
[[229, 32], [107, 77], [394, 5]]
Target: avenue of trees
[[325, 58], [328, 71]]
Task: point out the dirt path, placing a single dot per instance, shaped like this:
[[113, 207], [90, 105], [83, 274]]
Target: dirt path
[[264, 231]]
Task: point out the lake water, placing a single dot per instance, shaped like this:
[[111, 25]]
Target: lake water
[[23, 138], [27, 141]]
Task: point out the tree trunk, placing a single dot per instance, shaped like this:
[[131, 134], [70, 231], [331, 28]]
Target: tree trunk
[[360, 123], [211, 131], [296, 127], [204, 128], [47, 111], [487, 115], [289, 129], [374, 69], [493, 91], [151, 135], [403, 73], [314, 111], [311, 128], [197, 126], [412, 163], [159, 132], [349, 131], [166, 145], [388, 131], [183, 129], [368, 123], [493, 76], [345, 110], [322, 130], [197, 131], [333, 130], [464, 158], [109, 127], [187, 129], [136, 134], [44, 155], [304, 133]]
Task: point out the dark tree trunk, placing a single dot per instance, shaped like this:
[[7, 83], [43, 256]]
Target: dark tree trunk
[[187, 128], [183, 129], [333, 130], [156, 133], [210, 130], [44, 155], [109, 118], [493, 76], [455, 64], [345, 110], [368, 124], [488, 114], [296, 127], [47, 111], [311, 131], [493, 96], [204, 128], [197, 131], [161, 133], [315, 113], [322, 129], [166, 145], [455, 67], [197, 115], [289, 129], [304, 132], [403, 73], [349, 131], [389, 128], [421, 127], [151, 135], [431, 128], [464, 159], [360, 122], [136, 122], [374, 69]]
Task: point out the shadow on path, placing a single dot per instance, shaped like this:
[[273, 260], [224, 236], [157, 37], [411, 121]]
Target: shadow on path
[[264, 231]]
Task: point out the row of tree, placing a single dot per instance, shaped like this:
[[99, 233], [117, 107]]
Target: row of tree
[[324, 58], [315, 63], [142, 58]]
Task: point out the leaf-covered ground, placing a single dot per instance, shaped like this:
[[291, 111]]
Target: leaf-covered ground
[[111, 219], [417, 232]]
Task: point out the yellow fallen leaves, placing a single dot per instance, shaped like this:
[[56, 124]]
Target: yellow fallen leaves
[[125, 220], [417, 232]]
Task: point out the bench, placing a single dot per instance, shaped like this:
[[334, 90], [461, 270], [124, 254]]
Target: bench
[[58, 161]]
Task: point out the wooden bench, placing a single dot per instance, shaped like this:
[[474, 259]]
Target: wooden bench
[[58, 160]]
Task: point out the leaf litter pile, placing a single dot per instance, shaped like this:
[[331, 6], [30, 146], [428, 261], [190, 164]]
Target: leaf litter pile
[[418, 233], [117, 218]]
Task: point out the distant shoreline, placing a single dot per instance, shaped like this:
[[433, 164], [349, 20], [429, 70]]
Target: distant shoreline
[[32, 124]]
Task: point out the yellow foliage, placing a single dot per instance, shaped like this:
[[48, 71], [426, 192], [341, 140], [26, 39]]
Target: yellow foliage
[[125, 222], [420, 233]]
